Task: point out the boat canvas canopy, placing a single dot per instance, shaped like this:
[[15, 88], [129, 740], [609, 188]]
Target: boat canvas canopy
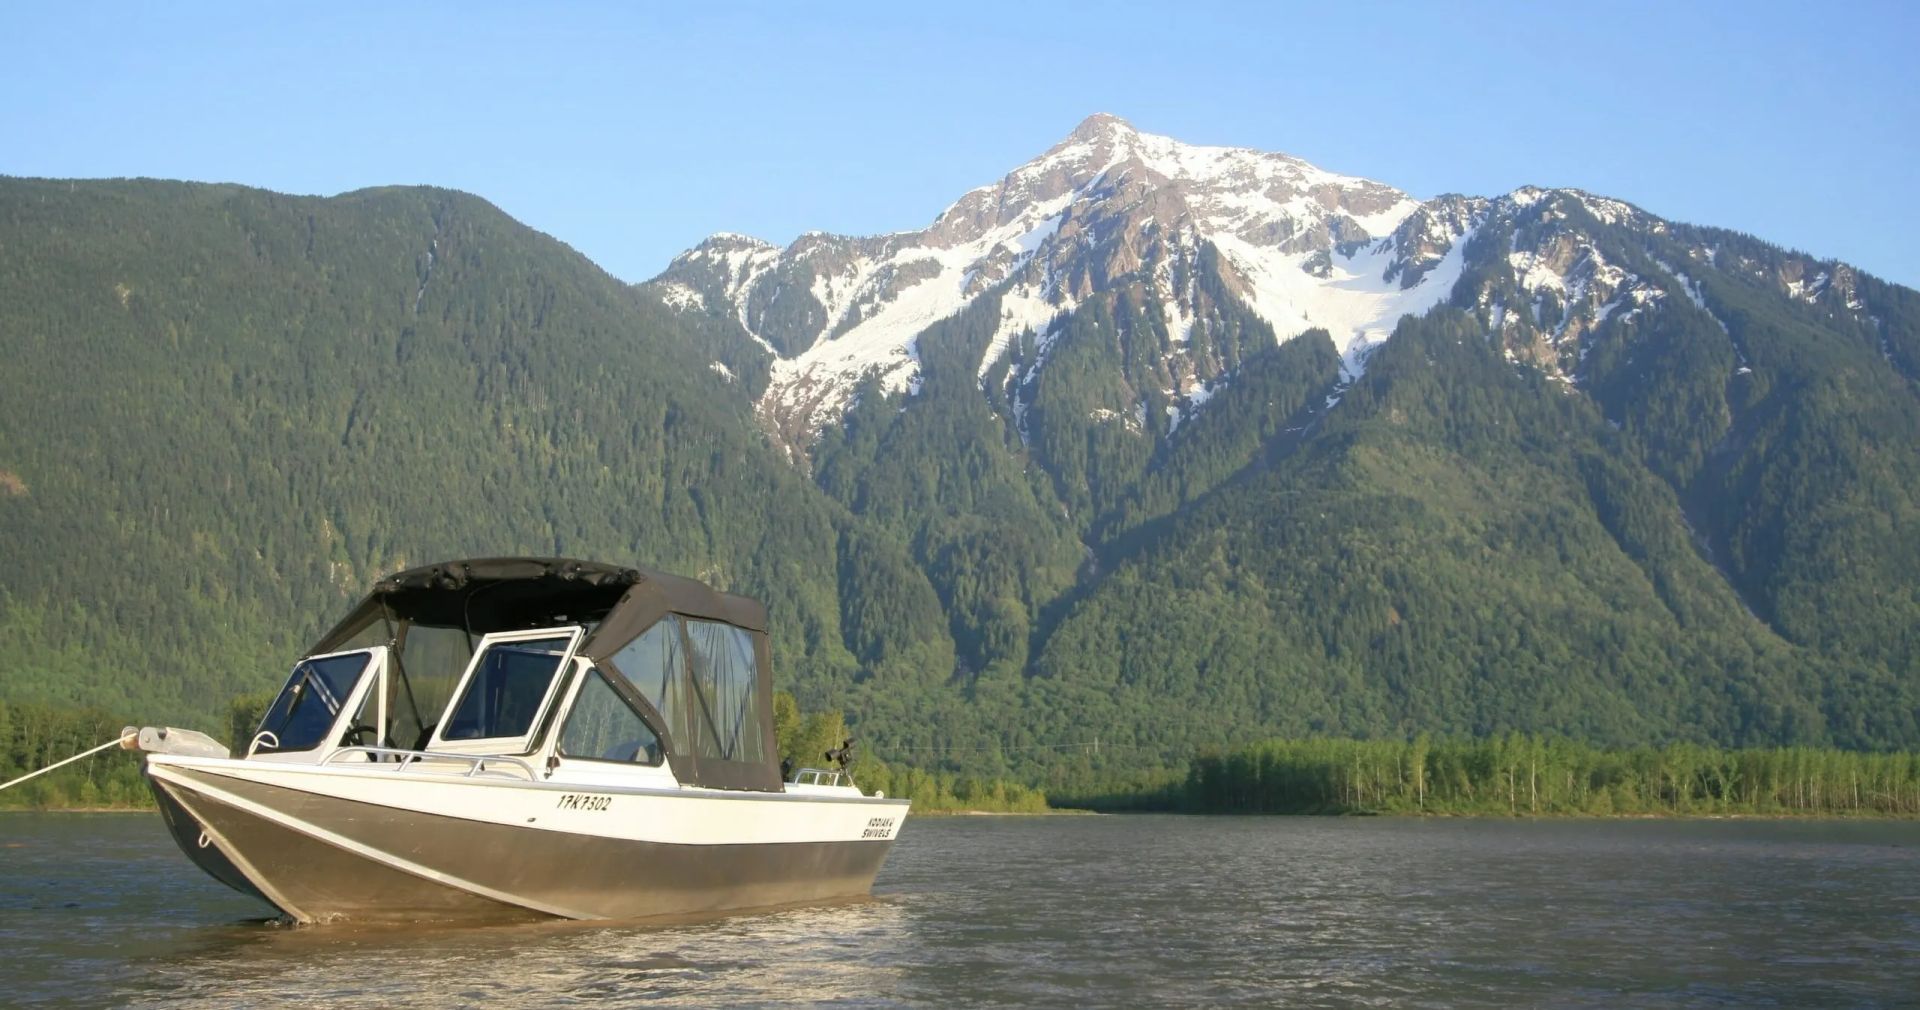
[[712, 700]]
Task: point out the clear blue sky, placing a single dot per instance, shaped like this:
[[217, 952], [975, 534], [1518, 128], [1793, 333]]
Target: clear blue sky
[[631, 131]]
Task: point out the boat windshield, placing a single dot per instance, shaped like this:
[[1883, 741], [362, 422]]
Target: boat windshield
[[509, 684], [307, 707]]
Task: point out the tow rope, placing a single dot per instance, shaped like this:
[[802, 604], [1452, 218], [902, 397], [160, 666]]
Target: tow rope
[[119, 741]]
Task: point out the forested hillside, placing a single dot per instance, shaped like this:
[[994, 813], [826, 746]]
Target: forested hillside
[[226, 411], [1678, 507]]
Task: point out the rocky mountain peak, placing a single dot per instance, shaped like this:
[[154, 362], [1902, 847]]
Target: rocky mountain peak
[[1101, 124], [1111, 208]]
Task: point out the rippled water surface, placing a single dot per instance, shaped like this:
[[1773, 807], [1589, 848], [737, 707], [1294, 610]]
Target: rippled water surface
[[100, 909]]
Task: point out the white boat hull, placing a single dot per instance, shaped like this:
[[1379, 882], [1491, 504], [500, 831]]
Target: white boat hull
[[378, 843]]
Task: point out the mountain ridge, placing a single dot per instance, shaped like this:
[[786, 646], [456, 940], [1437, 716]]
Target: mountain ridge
[[1303, 248], [1656, 326], [1621, 478]]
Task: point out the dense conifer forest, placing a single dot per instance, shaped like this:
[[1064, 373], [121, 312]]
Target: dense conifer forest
[[1526, 775], [35, 736], [224, 412]]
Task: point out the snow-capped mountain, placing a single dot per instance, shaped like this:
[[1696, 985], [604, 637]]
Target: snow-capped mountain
[[1621, 478], [1112, 207]]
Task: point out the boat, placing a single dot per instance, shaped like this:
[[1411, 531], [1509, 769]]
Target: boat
[[603, 748]]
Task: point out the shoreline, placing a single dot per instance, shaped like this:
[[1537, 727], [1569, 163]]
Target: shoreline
[[1403, 815], [78, 810], [1414, 815], [1049, 812]]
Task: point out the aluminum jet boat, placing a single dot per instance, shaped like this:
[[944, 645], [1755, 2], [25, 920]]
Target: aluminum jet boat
[[508, 737]]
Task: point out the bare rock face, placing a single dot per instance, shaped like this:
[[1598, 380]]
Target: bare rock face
[[1424, 239], [1105, 208], [1112, 211]]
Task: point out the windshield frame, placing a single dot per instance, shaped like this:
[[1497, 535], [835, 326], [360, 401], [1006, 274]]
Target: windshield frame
[[522, 744], [370, 674]]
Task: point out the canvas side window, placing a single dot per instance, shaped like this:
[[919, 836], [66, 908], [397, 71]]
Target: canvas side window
[[655, 666], [431, 663], [723, 680], [603, 727]]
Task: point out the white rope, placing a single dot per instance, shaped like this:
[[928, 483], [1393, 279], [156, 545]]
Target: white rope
[[115, 742]]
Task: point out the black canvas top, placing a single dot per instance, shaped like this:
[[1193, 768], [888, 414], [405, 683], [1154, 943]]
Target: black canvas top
[[485, 595]]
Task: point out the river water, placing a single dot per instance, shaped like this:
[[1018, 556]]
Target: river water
[[101, 910]]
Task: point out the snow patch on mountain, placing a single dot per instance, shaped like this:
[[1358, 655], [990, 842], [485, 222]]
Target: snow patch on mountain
[[1023, 309], [1355, 302], [1252, 194], [1111, 209], [881, 321], [679, 296], [1571, 293], [1692, 291]]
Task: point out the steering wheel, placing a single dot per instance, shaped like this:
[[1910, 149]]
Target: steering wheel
[[360, 735]]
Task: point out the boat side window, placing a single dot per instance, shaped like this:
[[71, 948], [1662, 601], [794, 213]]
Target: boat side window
[[307, 707], [723, 678], [431, 663], [655, 666], [603, 727], [505, 692]]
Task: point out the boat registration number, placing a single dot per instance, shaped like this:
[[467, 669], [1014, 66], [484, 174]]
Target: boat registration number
[[583, 801]]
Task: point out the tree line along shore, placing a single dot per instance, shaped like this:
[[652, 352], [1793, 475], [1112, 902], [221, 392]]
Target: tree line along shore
[[1526, 775], [34, 736], [1509, 775]]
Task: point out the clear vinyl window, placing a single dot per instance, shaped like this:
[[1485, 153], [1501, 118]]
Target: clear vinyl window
[[723, 683], [656, 667], [603, 727], [705, 687]]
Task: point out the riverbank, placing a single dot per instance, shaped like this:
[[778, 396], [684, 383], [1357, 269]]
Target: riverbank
[[1049, 812], [78, 810], [1083, 813], [1528, 776], [1437, 815]]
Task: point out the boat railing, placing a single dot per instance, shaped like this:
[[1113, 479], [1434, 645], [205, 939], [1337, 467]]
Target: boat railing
[[820, 777], [401, 759]]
